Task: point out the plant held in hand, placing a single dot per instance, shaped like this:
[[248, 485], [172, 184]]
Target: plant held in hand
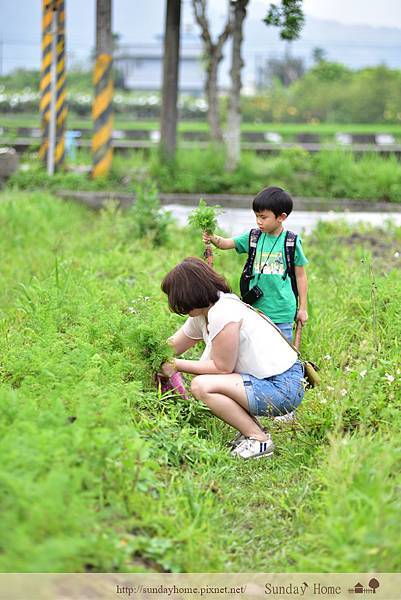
[[205, 218], [157, 352]]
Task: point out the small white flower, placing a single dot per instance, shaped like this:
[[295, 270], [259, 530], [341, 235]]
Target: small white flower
[[343, 392], [396, 255], [327, 357], [323, 401], [363, 373], [398, 371], [330, 388], [390, 378], [347, 368]]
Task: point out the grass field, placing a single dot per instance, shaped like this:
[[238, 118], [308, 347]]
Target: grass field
[[101, 473], [286, 129]]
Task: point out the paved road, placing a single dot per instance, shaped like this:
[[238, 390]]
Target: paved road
[[238, 220]]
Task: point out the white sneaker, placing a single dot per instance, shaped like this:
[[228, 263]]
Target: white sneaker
[[251, 448], [288, 418], [240, 437], [237, 440]]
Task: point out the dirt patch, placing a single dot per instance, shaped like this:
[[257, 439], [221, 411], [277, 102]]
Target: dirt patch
[[382, 244]]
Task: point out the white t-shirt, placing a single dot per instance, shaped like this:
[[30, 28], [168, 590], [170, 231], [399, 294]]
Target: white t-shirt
[[262, 350]]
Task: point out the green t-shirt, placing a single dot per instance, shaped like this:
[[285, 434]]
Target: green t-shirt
[[278, 300]]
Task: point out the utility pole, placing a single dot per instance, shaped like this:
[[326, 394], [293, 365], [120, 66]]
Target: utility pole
[[61, 92], [168, 127], [53, 106], [102, 112], [52, 113]]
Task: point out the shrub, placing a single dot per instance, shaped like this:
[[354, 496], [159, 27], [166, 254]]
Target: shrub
[[147, 218]]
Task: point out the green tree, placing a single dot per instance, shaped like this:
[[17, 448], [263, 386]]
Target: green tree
[[213, 55], [288, 17], [318, 55]]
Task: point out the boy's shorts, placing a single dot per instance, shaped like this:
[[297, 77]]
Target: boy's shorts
[[286, 329], [277, 395]]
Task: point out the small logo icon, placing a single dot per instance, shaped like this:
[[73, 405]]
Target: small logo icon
[[359, 589], [374, 584]]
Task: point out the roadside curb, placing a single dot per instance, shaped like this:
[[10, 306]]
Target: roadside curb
[[96, 201]]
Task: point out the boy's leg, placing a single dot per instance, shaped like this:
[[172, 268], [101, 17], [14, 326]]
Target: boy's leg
[[286, 330]]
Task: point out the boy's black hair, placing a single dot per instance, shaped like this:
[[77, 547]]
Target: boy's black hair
[[273, 198]]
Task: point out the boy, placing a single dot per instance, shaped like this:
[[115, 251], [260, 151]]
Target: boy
[[271, 207]]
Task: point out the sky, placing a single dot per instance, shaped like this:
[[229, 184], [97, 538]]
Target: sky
[[381, 13], [140, 21]]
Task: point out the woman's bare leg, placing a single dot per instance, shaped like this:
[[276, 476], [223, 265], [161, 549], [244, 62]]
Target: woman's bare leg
[[226, 397]]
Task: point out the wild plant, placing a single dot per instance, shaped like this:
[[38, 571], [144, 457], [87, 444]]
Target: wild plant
[[204, 218], [153, 345], [148, 219]]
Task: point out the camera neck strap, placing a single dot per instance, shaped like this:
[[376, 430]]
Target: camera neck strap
[[268, 256]]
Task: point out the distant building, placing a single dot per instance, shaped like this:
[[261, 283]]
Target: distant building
[[142, 68]]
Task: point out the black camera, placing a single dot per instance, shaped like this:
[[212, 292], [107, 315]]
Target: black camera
[[252, 295]]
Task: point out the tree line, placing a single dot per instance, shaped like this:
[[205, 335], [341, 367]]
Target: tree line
[[327, 93]]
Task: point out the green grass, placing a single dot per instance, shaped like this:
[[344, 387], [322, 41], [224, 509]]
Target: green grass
[[100, 473], [327, 174], [286, 129]]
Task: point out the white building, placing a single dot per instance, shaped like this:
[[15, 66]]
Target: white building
[[142, 68]]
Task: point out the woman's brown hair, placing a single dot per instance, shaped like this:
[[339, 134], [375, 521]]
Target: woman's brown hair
[[192, 284]]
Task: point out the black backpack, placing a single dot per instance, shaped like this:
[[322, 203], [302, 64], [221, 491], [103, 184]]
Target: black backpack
[[289, 250]]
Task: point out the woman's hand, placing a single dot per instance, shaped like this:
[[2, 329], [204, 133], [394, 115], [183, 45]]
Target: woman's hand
[[168, 368]]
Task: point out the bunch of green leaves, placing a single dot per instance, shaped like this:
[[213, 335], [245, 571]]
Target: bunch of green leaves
[[205, 217], [153, 345]]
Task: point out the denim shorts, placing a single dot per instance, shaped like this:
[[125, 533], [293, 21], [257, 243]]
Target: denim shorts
[[286, 330], [277, 395]]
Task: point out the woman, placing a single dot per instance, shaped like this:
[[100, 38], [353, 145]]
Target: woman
[[247, 367]]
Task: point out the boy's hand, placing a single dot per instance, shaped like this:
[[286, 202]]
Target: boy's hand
[[302, 315], [207, 237], [218, 241]]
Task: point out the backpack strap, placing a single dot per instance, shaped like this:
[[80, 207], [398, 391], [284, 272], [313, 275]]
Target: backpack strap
[[289, 250], [246, 276]]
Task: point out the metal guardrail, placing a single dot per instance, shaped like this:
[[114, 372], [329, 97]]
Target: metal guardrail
[[24, 144], [153, 135]]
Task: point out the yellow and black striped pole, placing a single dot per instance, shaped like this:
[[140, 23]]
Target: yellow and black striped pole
[[61, 94], [53, 107], [102, 110], [45, 76]]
